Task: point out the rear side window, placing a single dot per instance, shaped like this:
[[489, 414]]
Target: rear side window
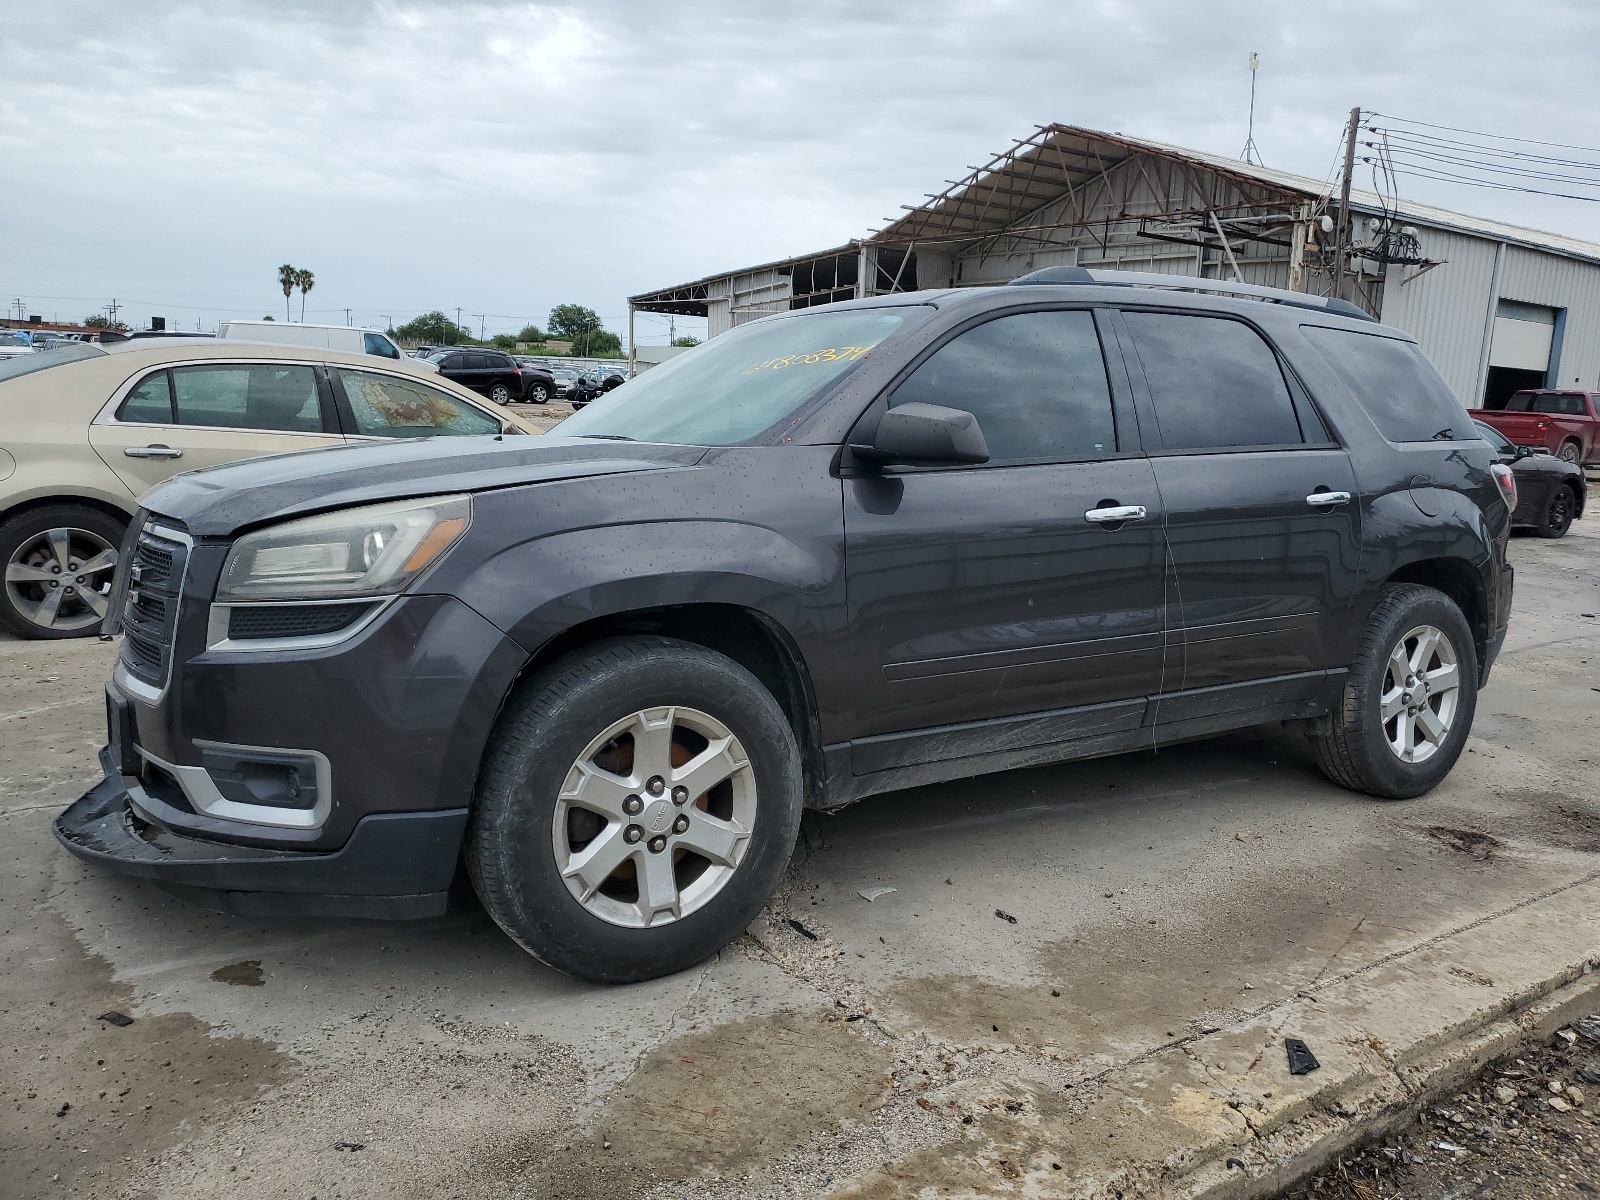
[[1215, 383], [1562, 404], [150, 403], [1035, 381], [477, 362], [376, 343], [384, 406], [1399, 389], [259, 396]]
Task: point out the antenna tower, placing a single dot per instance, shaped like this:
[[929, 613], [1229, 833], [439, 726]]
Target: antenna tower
[[1251, 154]]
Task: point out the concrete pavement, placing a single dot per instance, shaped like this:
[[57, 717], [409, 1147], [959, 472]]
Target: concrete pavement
[[1176, 915]]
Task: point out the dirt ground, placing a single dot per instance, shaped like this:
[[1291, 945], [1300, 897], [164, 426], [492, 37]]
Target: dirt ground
[[846, 1046], [1526, 1127]]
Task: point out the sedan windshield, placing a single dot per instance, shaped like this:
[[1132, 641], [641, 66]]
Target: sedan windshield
[[735, 386]]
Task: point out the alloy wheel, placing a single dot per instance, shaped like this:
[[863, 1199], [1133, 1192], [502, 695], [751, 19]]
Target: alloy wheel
[[1559, 515], [1421, 689], [654, 817], [61, 578]]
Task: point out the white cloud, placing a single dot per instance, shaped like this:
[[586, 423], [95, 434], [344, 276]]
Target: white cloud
[[510, 157]]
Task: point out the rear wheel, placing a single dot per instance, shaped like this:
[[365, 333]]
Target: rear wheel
[[637, 805], [1570, 452], [59, 562], [1558, 511], [1408, 699]]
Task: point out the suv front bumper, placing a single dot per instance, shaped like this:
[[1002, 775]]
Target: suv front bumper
[[395, 866]]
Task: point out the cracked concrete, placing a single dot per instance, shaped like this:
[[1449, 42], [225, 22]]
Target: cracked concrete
[[1176, 916]]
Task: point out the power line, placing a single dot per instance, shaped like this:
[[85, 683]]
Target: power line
[[1499, 137]]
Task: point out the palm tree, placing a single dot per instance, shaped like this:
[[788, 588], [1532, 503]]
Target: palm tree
[[306, 281], [288, 277]]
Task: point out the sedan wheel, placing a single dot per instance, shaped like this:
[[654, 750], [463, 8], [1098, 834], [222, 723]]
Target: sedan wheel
[[57, 578], [1558, 512]]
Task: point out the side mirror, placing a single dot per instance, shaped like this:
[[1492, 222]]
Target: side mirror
[[927, 433], [1522, 452]]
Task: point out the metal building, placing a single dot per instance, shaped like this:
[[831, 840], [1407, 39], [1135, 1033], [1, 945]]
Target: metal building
[[1496, 306]]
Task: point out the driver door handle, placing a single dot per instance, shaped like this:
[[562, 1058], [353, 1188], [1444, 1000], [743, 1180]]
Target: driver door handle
[[1120, 512], [152, 452], [1327, 499]]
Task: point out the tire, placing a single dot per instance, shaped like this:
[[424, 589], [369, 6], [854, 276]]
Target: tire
[[500, 394], [43, 555], [563, 744], [1353, 746], [1570, 452], [1557, 516], [537, 394]]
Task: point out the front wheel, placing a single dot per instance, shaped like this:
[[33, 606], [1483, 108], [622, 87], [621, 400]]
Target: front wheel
[[1557, 516], [538, 394], [637, 805], [500, 394], [1408, 699]]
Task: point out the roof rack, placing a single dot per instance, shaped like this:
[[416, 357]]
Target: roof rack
[[1189, 283]]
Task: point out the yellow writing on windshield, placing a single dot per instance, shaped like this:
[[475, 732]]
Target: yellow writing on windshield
[[832, 354]]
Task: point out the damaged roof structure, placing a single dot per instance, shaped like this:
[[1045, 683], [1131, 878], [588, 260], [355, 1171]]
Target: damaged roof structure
[[1496, 306]]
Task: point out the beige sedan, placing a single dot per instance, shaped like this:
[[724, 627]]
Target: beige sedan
[[85, 430]]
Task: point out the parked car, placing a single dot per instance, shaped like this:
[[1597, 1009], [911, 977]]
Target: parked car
[[490, 373], [1564, 422], [322, 337], [538, 384], [586, 387], [564, 377], [830, 553], [14, 342], [1551, 491], [86, 429]]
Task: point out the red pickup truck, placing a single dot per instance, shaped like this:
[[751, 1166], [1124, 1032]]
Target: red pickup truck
[[1565, 423]]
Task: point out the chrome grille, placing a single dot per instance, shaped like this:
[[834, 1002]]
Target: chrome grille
[[149, 614]]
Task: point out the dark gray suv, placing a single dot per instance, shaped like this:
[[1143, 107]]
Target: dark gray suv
[[831, 553]]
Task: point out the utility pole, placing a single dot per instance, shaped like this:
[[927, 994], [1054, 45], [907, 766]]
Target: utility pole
[[672, 329], [458, 314], [1342, 239], [347, 316], [482, 326], [388, 321], [111, 310]]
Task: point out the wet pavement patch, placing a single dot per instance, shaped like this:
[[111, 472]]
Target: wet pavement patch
[[1471, 842], [241, 974]]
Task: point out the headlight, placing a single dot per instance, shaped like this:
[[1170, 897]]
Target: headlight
[[354, 552]]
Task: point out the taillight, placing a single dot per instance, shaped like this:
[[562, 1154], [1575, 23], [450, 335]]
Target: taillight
[[1508, 484]]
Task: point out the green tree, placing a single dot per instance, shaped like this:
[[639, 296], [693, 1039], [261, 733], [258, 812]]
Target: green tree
[[434, 329], [305, 281], [601, 344], [530, 333], [288, 277], [686, 340], [581, 327], [101, 321]]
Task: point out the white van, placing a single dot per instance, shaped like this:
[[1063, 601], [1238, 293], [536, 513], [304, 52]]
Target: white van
[[324, 337]]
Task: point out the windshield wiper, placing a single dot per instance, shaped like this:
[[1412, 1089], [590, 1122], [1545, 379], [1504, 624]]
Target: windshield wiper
[[1445, 435], [607, 437]]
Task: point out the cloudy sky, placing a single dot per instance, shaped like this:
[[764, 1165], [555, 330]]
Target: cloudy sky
[[504, 158]]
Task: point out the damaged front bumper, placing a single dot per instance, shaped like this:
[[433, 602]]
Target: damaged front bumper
[[394, 866]]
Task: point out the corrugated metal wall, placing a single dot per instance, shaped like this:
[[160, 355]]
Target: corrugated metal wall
[[735, 299], [1548, 279]]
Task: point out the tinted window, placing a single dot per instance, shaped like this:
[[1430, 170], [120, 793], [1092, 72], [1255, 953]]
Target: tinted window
[[1399, 389], [1215, 383], [1035, 381], [384, 406], [150, 403], [376, 343], [261, 396], [451, 362], [741, 383], [477, 362], [1562, 403]]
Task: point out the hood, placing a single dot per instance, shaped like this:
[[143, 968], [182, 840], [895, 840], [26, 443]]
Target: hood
[[221, 501]]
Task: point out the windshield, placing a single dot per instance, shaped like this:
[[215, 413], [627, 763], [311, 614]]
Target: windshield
[[27, 364], [1495, 438], [734, 386]]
